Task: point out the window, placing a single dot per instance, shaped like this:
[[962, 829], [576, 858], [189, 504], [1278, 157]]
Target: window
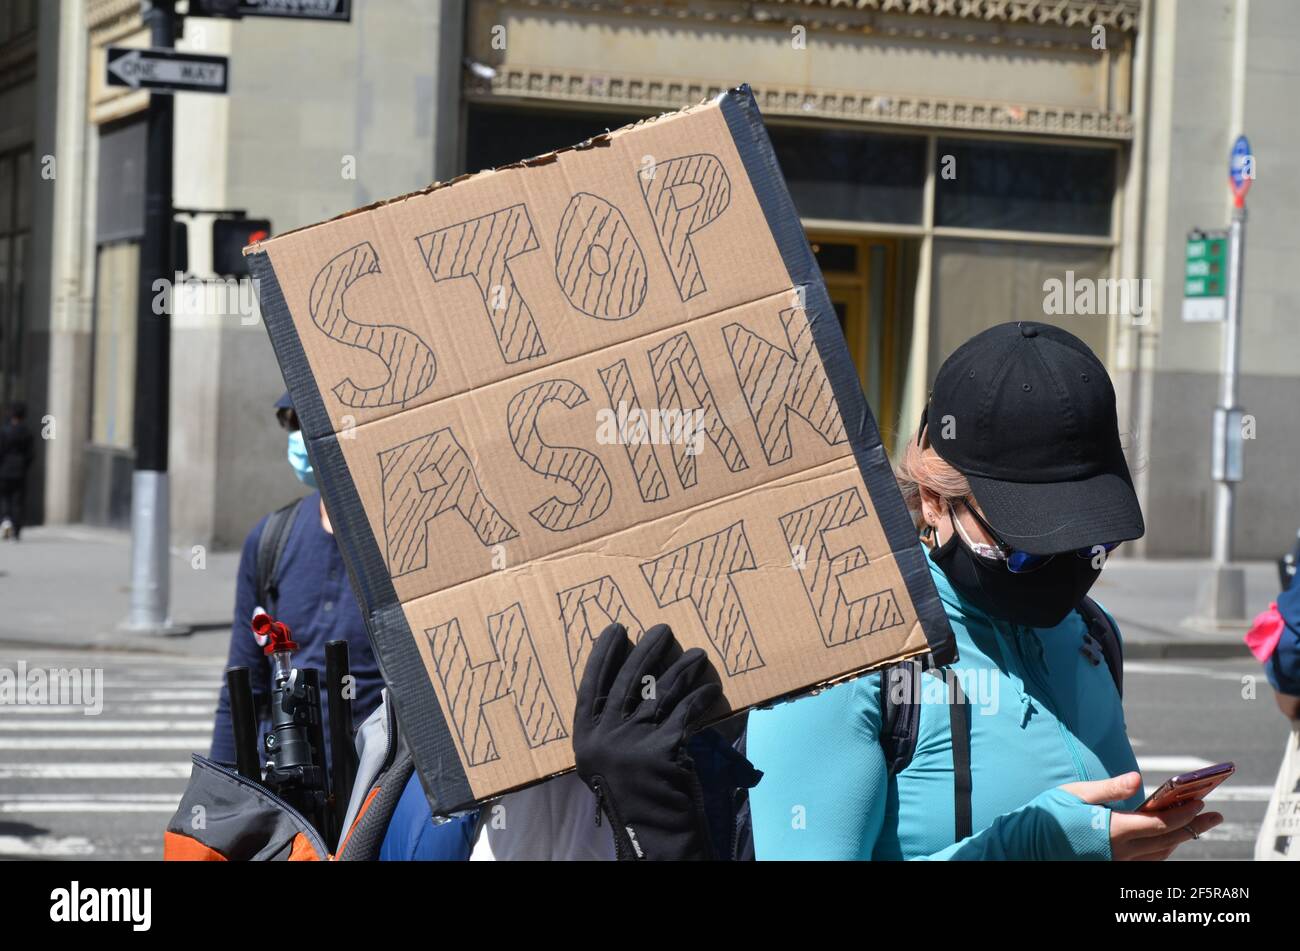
[[15, 237], [980, 283], [119, 228], [1009, 186], [117, 276], [500, 136], [852, 176], [17, 19], [832, 173]]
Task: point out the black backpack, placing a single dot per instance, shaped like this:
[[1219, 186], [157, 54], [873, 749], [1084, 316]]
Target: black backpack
[[900, 718], [270, 548]]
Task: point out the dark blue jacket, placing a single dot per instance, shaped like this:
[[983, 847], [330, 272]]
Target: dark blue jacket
[[316, 603], [1283, 668], [413, 837]]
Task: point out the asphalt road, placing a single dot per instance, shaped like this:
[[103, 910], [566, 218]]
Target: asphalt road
[[1184, 714], [76, 786], [102, 786]]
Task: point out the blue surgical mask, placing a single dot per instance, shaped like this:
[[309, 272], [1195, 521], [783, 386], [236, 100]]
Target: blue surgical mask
[[299, 460]]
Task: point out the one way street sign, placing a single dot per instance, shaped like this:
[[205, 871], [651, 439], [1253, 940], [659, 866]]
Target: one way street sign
[[166, 71]]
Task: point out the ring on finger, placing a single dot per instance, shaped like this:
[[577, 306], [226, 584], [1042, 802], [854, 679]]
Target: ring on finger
[[1194, 833]]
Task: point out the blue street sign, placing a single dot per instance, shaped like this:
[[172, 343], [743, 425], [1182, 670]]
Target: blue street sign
[[1241, 165]]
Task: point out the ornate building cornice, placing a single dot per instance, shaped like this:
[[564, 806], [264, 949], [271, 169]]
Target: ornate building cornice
[[1119, 14], [870, 15], [652, 94]]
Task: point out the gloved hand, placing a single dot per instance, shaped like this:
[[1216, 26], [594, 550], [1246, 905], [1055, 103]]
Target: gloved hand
[[629, 739]]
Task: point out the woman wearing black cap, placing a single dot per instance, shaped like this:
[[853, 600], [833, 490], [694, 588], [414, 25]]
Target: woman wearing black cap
[[1019, 489]]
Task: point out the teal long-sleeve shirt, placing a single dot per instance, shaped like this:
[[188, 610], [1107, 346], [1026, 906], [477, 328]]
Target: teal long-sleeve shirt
[[1042, 715]]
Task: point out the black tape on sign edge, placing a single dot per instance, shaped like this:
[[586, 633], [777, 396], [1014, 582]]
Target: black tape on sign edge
[[750, 138], [419, 714]]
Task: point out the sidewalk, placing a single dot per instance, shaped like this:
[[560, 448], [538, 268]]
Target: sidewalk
[[1151, 600], [69, 586]]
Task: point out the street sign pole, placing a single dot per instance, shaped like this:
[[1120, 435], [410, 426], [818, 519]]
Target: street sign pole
[[150, 515], [1223, 598], [1228, 449]]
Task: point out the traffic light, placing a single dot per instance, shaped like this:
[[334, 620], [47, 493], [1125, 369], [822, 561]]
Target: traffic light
[[229, 237]]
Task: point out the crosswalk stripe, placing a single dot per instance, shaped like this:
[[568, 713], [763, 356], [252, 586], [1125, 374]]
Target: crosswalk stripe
[[89, 797], [191, 693], [1230, 793], [195, 743], [1233, 832], [81, 781], [78, 806], [119, 706], [94, 724], [44, 846], [174, 770], [1164, 669], [1171, 764]]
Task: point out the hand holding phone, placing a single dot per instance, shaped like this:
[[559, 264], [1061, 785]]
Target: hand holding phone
[[1144, 836], [1188, 787]]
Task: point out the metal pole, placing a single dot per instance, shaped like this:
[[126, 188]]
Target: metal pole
[[1223, 596], [1223, 494], [150, 528]]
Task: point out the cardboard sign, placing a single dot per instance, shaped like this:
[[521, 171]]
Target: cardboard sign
[[605, 384]]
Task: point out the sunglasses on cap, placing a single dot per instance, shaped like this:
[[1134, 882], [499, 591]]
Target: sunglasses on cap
[[1017, 562]]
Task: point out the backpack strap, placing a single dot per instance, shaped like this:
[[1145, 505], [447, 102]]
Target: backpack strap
[[270, 549], [900, 713], [959, 725], [1103, 631], [362, 841], [900, 720]]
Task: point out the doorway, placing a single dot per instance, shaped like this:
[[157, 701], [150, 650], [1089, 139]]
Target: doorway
[[861, 279]]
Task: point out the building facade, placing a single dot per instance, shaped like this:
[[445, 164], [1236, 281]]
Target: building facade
[[957, 163]]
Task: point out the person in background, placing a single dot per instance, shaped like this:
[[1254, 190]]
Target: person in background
[[17, 450], [1274, 639], [308, 590]]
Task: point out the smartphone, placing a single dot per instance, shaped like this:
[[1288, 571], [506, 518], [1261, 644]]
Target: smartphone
[[1188, 787]]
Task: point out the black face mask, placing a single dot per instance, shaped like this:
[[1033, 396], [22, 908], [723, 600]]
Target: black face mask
[[1041, 598]]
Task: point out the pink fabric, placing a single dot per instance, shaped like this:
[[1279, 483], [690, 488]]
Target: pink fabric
[[1264, 634]]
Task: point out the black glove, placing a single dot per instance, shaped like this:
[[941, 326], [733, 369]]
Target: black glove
[[629, 739]]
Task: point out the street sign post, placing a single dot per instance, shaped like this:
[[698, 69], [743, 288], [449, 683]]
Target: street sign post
[[1241, 170], [155, 69], [166, 71], [162, 70], [1204, 283], [1223, 598]]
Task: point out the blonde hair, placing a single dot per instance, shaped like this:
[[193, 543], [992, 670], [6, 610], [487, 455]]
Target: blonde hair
[[922, 467]]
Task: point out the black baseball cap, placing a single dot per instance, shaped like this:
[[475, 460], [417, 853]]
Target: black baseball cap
[[1026, 412]]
